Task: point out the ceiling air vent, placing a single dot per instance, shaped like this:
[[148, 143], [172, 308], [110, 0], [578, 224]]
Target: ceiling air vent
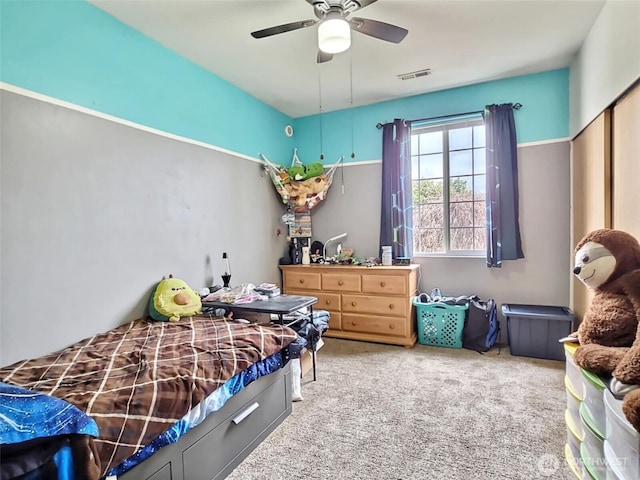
[[416, 74]]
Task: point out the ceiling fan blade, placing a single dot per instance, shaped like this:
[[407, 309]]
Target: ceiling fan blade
[[287, 27], [324, 56], [365, 3], [381, 30]]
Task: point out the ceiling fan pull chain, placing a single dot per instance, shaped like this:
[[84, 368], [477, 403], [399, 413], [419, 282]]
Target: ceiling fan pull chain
[[320, 112], [353, 154]]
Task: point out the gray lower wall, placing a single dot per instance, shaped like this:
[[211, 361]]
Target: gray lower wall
[[544, 275], [542, 278], [95, 213]]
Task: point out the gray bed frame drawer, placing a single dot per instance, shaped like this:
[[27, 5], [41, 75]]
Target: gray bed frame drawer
[[218, 445], [235, 434]]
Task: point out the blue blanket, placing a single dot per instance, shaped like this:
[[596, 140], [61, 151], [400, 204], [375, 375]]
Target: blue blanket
[[36, 433]]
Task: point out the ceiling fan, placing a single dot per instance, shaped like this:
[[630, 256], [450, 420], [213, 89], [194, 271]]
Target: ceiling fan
[[334, 26]]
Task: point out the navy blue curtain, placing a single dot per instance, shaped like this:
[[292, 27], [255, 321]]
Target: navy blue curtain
[[503, 226], [396, 221]]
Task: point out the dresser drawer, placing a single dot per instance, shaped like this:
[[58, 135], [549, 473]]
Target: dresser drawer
[[327, 301], [375, 325], [302, 280], [396, 307], [386, 284], [335, 321], [365, 303], [341, 282]]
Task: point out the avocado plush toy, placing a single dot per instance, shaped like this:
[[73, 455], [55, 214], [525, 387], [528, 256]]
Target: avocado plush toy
[[172, 299]]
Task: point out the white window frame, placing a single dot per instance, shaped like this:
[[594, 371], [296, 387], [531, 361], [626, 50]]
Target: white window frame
[[445, 126]]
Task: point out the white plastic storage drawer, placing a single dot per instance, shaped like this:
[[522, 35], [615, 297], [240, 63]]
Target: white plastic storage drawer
[[573, 371], [593, 400], [622, 439]]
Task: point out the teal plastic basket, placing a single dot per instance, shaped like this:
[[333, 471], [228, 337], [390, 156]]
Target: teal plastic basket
[[439, 324]]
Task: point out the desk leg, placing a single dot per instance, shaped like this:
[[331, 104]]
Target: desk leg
[[313, 362], [313, 351]]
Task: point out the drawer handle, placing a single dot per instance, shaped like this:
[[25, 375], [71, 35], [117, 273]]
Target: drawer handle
[[391, 306], [353, 304], [340, 282], [392, 326], [245, 413], [327, 302], [302, 280], [353, 322], [382, 284]]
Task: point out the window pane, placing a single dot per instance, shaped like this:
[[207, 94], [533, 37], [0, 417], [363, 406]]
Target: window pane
[[479, 138], [480, 214], [479, 188], [428, 240], [430, 142], [430, 215], [479, 160], [461, 214], [460, 189], [428, 191], [460, 163], [479, 236], [430, 166], [415, 164], [462, 239], [460, 138]]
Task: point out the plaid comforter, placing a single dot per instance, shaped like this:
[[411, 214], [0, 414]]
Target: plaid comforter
[[138, 379]]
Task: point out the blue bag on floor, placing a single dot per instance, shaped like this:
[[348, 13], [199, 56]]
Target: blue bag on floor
[[481, 325]]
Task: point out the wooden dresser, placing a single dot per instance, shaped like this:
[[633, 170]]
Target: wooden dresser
[[373, 304]]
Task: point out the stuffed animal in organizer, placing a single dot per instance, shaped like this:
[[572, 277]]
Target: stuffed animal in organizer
[[302, 172], [608, 262], [173, 299], [305, 194]]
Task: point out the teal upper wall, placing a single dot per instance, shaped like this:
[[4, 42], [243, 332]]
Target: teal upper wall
[[73, 51], [544, 115]]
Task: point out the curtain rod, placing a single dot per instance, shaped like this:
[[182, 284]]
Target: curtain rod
[[516, 106]]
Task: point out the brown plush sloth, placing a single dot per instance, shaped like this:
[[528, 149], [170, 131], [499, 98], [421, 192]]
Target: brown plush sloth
[[608, 262]]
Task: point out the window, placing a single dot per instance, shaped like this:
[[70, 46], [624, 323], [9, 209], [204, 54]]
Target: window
[[449, 188]]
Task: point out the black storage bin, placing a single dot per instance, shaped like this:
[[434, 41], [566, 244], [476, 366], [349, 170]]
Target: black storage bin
[[534, 330]]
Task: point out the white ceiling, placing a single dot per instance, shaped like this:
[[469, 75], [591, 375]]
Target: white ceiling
[[462, 41]]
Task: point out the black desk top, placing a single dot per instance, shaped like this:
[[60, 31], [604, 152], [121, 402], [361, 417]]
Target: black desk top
[[280, 304]]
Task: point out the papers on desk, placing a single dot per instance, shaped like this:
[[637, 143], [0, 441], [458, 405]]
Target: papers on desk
[[245, 293], [268, 289]]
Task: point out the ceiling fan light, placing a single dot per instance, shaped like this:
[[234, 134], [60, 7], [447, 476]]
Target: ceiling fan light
[[334, 35]]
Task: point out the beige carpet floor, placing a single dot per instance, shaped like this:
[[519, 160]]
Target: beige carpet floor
[[388, 412]]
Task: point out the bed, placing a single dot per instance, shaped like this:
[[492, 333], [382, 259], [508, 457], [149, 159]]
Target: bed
[[181, 401]]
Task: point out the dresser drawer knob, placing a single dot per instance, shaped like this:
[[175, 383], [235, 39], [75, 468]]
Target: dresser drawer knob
[[391, 306], [340, 282], [327, 302], [353, 304], [353, 322], [392, 326], [382, 284], [302, 280]]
